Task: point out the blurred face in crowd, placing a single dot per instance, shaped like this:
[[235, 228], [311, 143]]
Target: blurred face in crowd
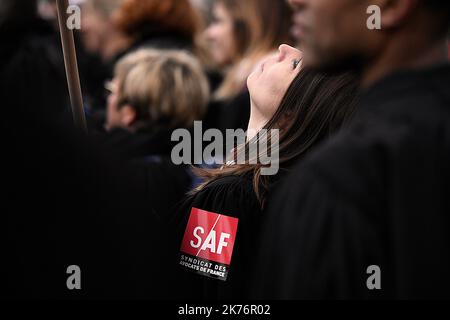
[[117, 116], [94, 27], [333, 32], [220, 34], [270, 81]]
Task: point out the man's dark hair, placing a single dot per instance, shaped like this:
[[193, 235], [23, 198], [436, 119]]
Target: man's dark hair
[[437, 3]]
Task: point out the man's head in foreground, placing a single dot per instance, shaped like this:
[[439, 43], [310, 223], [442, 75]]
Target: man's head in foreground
[[339, 33]]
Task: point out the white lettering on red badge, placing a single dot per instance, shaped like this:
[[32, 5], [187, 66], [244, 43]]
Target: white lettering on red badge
[[208, 243]]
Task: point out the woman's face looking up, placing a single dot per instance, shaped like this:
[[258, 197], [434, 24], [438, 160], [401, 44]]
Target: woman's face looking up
[[271, 79]]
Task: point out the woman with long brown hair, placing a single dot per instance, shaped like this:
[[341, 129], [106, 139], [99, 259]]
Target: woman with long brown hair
[[218, 223]]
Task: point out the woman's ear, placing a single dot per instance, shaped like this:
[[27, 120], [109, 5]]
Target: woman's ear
[[127, 115]]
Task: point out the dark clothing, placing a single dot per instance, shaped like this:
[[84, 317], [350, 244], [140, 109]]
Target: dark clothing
[[162, 41], [231, 196], [376, 194], [68, 203], [94, 73], [235, 114], [229, 114], [148, 152], [142, 143], [65, 200], [32, 69], [155, 40]]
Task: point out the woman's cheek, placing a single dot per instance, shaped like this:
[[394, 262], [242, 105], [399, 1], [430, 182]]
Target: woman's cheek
[[273, 80]]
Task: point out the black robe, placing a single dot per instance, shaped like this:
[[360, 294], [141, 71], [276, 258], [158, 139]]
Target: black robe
[[229, 114], [32, 70], [65, 201], [147, 152], [376, 194], [232, 196]]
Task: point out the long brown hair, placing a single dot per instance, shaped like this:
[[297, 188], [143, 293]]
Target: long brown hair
[[315, 106]]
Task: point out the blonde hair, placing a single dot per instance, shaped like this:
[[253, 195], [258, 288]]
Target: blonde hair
[[163, 86], [260, 26]]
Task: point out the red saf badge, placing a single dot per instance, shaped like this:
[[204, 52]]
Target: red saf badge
[[208, 243]]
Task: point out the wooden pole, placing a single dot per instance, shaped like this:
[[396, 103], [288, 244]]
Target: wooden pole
[[70, 61]]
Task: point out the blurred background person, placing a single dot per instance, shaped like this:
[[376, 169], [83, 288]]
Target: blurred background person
[[93, 69], [168, 24], [114, 28], [99, 33], [47, 10], [153, 93], [67, 201], [96, 43], [32, 66], [204, 7], [101, 45], [203, 52], [240, 35]]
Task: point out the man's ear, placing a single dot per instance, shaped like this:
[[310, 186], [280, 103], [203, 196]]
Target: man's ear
[[127, 115], [394, 12]]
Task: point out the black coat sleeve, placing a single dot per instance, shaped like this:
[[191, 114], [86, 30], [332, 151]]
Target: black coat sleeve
[[316, 243]]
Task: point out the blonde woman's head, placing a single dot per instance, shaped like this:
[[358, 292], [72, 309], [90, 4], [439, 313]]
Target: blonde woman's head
[[157, 88]]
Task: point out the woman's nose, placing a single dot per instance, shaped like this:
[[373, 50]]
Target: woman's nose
[[282, 52], [286, 50]]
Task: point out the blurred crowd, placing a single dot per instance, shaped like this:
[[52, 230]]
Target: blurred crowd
[[115, 203]]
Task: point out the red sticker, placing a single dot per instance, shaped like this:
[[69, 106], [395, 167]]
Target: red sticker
[[208, 243]]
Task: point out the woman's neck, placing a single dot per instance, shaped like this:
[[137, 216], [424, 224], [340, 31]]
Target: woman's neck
[[256, 123]]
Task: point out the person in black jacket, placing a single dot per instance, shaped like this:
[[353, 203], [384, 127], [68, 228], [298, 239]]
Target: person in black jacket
[[114, 28], [65, 200], [31, 61], [111, 29], [154, 93], [218, 225], [366, 215]]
